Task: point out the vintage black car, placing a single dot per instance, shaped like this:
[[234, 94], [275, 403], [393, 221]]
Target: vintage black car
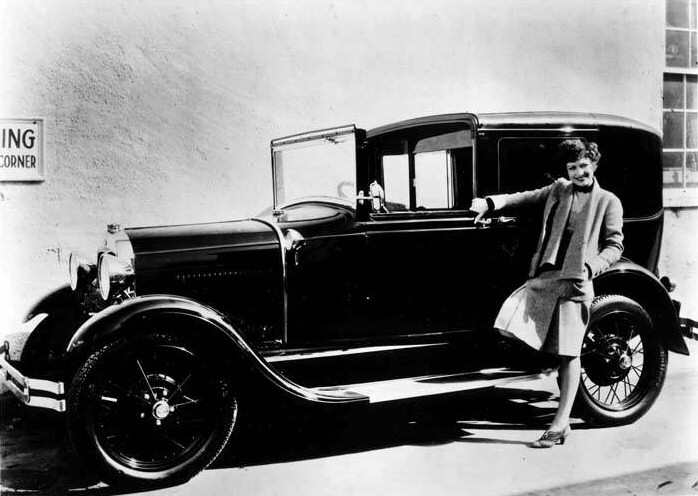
[[367, 281]]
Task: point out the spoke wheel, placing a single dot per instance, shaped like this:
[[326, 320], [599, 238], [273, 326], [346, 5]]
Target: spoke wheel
[[623, 362], [150, 409]]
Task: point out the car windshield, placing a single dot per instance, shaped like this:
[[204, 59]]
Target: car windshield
[[316, 164]]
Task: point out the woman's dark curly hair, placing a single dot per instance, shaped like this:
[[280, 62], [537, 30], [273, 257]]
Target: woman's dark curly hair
[[572, 150]]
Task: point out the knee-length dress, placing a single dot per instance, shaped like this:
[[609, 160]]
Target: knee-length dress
[[550, 312]]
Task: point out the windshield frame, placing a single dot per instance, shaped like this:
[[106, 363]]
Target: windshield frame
[[278, 145]]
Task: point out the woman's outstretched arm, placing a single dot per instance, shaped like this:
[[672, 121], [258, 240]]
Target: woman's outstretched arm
[[497, 202]]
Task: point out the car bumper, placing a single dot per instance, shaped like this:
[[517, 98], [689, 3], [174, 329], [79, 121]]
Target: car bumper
[[689, 328], [33, 392]]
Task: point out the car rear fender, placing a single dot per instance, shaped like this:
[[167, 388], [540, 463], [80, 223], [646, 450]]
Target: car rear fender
[[134, 315], [637, 283]]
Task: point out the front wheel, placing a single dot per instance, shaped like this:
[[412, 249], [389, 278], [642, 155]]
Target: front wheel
[[623, 362], [150, 409]]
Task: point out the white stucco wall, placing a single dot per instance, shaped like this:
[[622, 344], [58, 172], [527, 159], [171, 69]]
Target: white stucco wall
[[679, 259], [162, 111]]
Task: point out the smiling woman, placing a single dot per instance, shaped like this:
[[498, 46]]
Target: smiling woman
[[581, 238], [581, 170]]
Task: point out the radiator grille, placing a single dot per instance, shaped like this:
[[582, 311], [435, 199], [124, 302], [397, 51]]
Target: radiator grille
[[196, 276]]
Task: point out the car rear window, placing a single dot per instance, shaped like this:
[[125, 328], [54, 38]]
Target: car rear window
[[630, 166]]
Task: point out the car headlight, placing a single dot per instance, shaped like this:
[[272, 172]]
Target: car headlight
[[113, 275], [81, 271]]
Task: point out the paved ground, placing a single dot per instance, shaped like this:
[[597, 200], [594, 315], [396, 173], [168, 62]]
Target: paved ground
[[468, 445]]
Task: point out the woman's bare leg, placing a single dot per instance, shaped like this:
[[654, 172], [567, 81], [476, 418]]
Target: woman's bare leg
[[570, 369]]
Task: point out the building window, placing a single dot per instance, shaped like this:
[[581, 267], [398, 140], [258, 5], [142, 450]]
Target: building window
[[680, 131], [681, 103], [681, 34]]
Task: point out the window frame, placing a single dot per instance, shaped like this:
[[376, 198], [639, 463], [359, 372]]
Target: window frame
[[551, 136], [413, 186], [684, 196], [453, 194]]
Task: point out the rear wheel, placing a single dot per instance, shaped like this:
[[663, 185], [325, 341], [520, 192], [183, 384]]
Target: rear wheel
[[623, 362], [150, 409]]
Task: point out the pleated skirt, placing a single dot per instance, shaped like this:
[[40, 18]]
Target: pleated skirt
[[548, 313]]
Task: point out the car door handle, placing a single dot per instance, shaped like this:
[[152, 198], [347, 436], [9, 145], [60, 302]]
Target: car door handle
[[505, 220], [495, 221]]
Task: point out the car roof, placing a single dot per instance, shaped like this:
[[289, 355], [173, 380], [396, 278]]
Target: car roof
[[508, 120]]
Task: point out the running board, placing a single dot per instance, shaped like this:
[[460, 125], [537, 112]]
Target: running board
[[415, 387]]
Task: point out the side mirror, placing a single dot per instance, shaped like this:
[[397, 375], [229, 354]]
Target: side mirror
[[377, 194]]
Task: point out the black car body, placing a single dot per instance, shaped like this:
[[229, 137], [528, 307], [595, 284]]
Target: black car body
[[368, 280]]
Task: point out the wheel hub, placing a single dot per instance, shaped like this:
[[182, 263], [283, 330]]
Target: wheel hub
[[625, 361], [611, 364], [161, 409]]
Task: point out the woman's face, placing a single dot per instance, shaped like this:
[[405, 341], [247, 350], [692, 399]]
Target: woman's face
[[581, 172]]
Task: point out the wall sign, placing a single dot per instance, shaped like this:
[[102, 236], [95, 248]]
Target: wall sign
[[22, 150]]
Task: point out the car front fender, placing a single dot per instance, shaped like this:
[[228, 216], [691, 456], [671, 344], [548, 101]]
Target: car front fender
[[124, 319]]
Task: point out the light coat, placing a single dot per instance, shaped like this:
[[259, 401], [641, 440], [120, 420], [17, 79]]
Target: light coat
[[597, 243]]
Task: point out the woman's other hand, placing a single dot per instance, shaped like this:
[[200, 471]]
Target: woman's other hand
[[589, 272], [480, 207]]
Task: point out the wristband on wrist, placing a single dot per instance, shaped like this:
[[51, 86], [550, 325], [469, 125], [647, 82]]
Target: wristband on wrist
[[490, 204]]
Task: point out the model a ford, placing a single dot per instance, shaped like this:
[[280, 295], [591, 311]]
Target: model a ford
[[367, 281]]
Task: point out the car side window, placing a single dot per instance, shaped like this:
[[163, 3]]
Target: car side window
[[529, 163], [432, 179], [426, 168], [396, 181]]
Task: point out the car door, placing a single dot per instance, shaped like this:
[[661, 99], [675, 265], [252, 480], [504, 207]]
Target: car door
[[433, 268], [315, 177]]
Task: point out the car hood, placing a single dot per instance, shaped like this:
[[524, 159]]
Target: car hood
[[308, 218], [215, 235]]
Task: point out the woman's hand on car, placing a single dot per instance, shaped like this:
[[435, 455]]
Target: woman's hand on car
[[480, 207]]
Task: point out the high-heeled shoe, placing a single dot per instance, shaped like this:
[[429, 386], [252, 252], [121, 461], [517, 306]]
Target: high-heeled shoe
[[551, 438]]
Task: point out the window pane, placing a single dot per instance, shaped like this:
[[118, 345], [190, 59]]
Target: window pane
[[673, 169], [691, 130], [431, 180], [673, 91], [529, 163], [691, 91], [676, 48], [673, 129], [692, 169], [458, 139], [694, 54], [319, 167], [628, 167], [396, 179], [694, 15], [677, 13], [426, 166]]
